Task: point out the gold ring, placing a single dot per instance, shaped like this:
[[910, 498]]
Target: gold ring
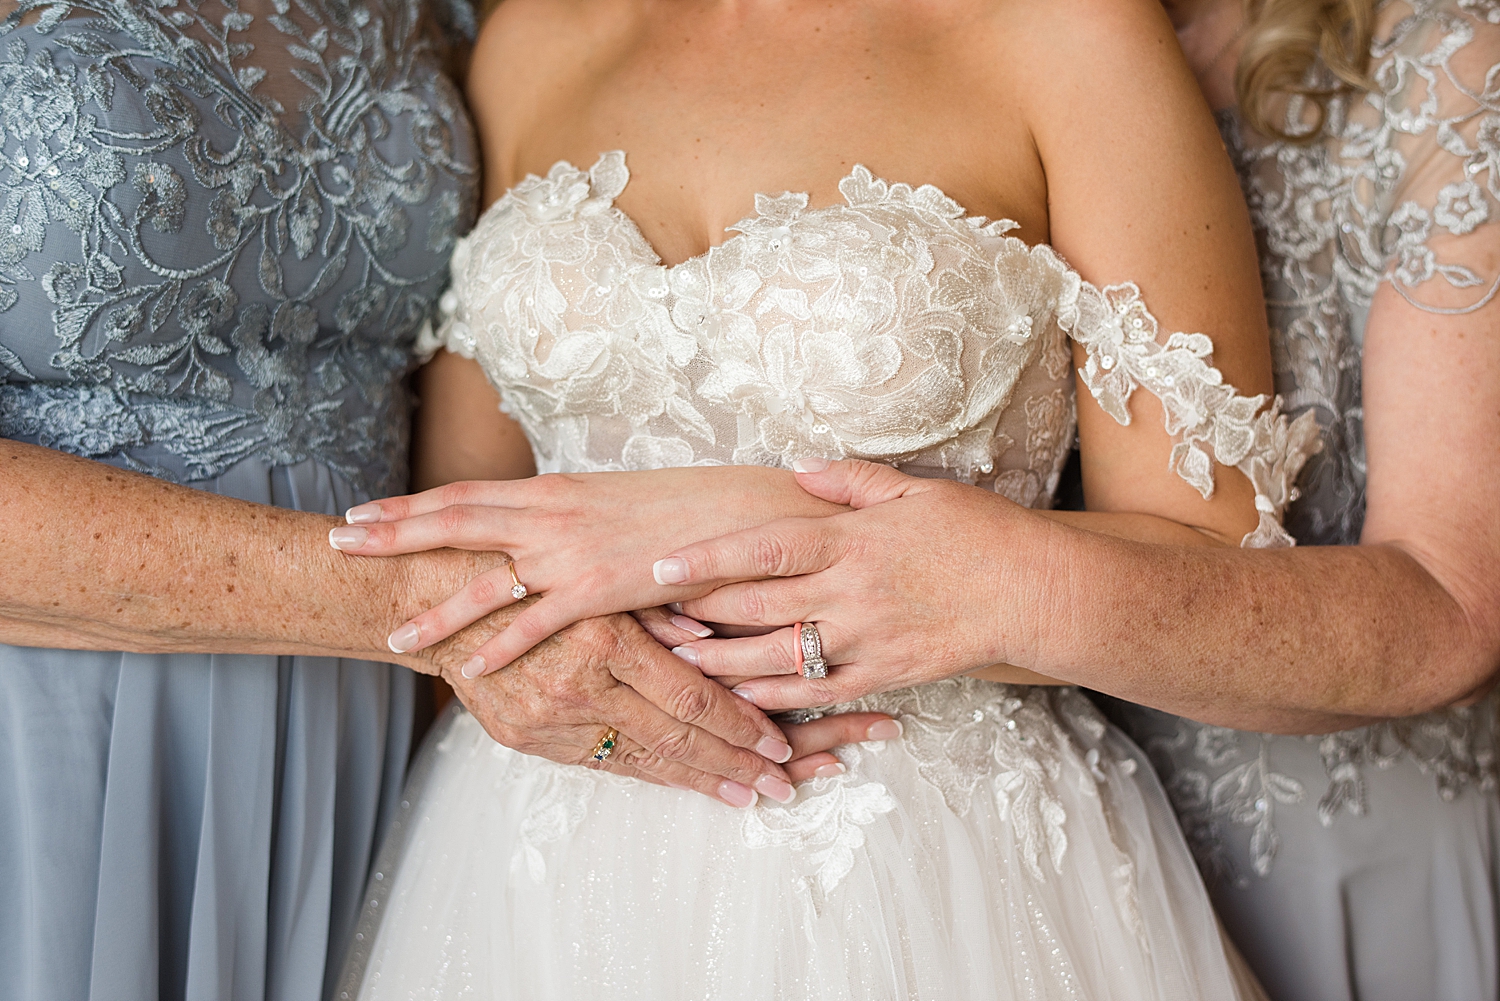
[[606, 745], [518, 590]]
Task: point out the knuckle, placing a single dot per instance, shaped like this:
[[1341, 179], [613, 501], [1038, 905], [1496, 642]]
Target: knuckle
[[483, 590], [453, 519], [768, 557], [461, 492], [782, 657], [676, 744], [752, 606], [691, 704]]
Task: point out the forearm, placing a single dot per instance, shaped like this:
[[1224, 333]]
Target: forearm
[[1297, 640], [99, 558]]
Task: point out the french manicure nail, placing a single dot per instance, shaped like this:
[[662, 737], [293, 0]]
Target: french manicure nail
[[780, 791], [693, 626], [672, 570], [886, 729], [404, 638], [475, 667], [347, 538], [736, 795], [688, 654], [830, 771], [775, 750], [743, 693], [675, 606], [363, 514], [810, 464]]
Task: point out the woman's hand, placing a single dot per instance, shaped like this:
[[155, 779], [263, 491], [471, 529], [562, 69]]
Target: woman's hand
[[895, 603], [577, 540], [675, 726]]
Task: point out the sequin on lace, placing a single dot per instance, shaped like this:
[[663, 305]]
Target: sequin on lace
[[221, 231], [892, 327]]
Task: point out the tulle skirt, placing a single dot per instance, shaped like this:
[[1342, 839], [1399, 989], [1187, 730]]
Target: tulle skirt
[[1012, 844]]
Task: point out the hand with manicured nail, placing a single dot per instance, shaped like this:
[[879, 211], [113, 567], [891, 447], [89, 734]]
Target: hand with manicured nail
[[583, 543], [676, 727], [895, 604]]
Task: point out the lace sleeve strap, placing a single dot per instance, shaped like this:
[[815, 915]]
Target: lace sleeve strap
[[1208, 419], [452, 324]]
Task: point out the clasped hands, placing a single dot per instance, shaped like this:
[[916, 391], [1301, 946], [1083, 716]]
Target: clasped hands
[[623, 570]]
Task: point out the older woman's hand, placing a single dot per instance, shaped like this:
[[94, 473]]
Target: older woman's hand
[[676, 727], [577, 540]]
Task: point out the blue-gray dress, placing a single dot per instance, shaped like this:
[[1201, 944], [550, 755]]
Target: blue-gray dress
[[1365, 864], [221, 226]]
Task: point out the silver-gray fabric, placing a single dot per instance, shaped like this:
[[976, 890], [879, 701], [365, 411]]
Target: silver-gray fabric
[[222, 226], [1364, 864]]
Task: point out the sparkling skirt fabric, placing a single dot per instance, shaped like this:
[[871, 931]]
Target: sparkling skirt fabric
[[1010, 845], [192, 826]]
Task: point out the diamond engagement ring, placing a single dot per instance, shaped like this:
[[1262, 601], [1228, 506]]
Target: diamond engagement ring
[[606, 745], [810, 662], [518, 590]]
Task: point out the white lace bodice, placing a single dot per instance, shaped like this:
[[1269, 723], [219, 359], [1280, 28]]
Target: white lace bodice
[[893, 327]]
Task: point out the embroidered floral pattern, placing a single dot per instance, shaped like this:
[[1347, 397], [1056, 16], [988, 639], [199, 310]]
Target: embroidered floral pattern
[[1385, 195], [216, 259], [891, 327]]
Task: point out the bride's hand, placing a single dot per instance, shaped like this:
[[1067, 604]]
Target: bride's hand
[[894, 602], [577, 540]]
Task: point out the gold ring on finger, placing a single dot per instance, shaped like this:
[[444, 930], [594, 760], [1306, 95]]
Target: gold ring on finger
[[606, 745], [517, 590]]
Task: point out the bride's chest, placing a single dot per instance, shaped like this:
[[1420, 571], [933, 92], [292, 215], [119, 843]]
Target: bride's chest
[[882, 327]]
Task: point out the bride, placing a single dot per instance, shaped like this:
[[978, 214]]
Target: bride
[[1010, 843]]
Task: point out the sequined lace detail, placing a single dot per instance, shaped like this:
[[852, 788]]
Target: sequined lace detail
[[893, 327], [1391, 192], [222, 230]]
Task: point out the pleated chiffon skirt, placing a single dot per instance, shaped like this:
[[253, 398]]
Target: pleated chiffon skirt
[[193, 826]]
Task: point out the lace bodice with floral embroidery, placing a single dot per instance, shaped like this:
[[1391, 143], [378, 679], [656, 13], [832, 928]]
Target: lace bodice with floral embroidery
[[223, 225], [1400, 189], [892, 327]]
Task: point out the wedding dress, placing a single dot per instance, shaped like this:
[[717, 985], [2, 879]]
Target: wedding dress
[[1012, 844]]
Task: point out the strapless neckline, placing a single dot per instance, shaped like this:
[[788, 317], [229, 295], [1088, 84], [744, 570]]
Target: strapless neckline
[[611, 160]]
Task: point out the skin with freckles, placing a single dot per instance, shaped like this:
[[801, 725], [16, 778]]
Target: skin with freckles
[[1408, 621]]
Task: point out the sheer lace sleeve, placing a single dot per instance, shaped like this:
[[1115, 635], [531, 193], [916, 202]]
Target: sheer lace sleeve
[[1209, 420], [1434, 123]]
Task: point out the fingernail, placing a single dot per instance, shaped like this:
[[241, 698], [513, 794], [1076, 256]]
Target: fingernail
[[693, 626], [475, 667], [347, 538], [780, 791], [775, 750], [675, 606], [672, 570], [830, 771], [403, 639], [736, 795], [688, 654], [744, 694], [810, 464], [886, 729], [363, 514]]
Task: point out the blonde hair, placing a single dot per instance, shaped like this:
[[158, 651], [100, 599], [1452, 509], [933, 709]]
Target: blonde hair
[[1283, 38]]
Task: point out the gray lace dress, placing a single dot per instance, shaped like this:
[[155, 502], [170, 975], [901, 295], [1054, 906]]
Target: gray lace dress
[[1363, 864], [221, 226]]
